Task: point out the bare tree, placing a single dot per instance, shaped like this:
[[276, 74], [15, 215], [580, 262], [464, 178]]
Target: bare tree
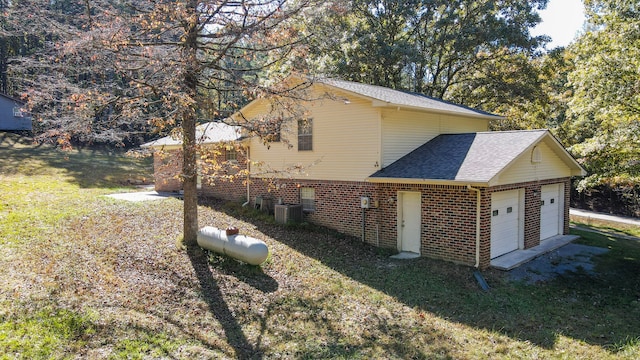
[[111, 69]]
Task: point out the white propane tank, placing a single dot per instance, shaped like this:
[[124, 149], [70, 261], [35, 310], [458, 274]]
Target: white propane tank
[[244, 248]]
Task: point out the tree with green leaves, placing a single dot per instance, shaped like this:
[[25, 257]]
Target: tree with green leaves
[[536, 89], [109, 68], [604, 126], [455, 50]]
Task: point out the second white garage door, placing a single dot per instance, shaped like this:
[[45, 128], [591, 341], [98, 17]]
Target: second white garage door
[[506, 228], [551, 217]]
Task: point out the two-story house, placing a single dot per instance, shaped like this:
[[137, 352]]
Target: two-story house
[[399, 170]]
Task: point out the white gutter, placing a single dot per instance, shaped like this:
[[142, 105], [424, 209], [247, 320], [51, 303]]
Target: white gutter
[[461, 182], [477, 265], [248, 178]]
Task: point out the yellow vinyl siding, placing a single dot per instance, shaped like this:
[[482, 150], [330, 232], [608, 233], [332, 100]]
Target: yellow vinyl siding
[[450, 124], [403, 131], [345, 143], [522, 169], [253, 109]]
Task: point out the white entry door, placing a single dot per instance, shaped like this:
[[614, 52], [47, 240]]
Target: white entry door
[[551, 216], [505, 222], [409, 221]]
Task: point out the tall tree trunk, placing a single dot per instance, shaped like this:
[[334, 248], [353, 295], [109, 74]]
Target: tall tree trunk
[[189, 173], [189, 163]]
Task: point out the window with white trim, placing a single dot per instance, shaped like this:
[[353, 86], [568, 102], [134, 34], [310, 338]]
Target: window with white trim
[[305, 135], [231, 154], [308, 198]]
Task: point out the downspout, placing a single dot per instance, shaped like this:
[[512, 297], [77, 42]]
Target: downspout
[[248, 179], [364, 226], [248, 193], [477, 265]]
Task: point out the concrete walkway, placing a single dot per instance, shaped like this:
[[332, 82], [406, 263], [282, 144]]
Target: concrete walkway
[[602, 216], [143, 196], [518, 257]]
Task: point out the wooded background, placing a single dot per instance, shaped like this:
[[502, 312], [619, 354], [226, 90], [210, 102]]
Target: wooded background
[[114, 72]]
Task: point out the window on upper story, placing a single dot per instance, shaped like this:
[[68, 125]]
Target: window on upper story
[[308, 199], [305, 135]]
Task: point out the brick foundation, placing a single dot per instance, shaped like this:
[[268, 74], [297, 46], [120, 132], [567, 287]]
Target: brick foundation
[[448, 213]]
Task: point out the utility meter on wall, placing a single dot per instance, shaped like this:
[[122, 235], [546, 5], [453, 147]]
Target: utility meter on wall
[[365, 202]]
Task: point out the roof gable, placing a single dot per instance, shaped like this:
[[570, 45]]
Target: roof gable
[[476, 158]]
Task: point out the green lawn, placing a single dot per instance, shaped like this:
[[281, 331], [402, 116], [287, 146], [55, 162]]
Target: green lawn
[[606, 226], [87, 276]]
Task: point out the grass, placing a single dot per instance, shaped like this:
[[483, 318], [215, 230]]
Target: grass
[[86, 276], [607, 226]]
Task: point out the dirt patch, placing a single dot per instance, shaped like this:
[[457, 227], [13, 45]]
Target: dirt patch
[[566, 260]]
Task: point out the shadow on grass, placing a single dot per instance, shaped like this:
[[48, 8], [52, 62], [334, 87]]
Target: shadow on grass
[[212, 294], [87, 167], [290, 320], [600, 310], [248, 274]]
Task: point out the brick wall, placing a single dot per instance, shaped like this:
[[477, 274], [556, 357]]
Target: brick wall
[[224, 179], [448, 220], [167, 167], [337, 203], [448, 213], [567, 202]]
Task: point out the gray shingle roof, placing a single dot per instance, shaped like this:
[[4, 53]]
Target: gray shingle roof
[[402, 98], [208, 133], [473, 157]]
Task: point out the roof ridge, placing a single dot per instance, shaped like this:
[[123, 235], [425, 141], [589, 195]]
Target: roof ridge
[[512, 131], [402, 97]]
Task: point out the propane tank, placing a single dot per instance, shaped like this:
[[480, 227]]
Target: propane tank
[[244, 248]]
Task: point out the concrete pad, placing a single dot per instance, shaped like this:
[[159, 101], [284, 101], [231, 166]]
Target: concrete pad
[[566, 260], [142, 196], [519, 257], [405, 255]]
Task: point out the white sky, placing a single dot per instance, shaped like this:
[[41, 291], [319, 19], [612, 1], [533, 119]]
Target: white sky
[[562, 19]]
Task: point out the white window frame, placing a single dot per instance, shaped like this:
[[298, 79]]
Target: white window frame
[[305, 135], [231, 155], [308, 199]]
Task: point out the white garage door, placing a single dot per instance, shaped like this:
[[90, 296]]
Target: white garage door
[[505, 222], [551, 216]]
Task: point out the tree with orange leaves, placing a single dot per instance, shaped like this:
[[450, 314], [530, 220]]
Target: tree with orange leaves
[[109, 70]]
